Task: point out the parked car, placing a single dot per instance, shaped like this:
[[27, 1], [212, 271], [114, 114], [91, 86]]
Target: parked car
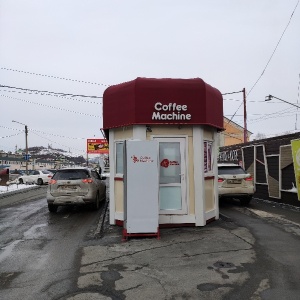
[[36, 177], [14, 174], [76, 186], [235, 182]]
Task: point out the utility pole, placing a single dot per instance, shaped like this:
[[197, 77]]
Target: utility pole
[[245, 116], [26, 145]]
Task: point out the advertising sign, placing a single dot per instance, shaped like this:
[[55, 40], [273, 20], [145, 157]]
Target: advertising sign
[[97, 146], [296, 160]]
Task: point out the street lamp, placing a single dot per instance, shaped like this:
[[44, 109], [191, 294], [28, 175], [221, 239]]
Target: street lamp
[[270, 97], [26, 143]]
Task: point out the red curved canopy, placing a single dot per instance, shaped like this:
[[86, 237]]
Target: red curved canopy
[[162, 101]]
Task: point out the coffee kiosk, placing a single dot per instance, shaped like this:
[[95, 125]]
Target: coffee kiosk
[[163, 145]]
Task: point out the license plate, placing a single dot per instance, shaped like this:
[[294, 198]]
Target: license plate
[[234, 181], [68, 187]]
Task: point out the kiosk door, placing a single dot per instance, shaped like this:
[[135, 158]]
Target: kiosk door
[[172, 176]]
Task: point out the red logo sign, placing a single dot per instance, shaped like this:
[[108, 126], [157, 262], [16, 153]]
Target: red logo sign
[[165, 163]]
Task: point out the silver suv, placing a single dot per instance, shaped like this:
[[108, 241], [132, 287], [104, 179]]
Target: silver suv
[[235, 182], [75, 186]]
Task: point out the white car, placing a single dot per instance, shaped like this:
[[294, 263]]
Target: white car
[[36, 177], [235, 182]]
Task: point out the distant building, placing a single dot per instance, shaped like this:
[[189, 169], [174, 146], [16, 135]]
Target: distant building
[[233, 134]]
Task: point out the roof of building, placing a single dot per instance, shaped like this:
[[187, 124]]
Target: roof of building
[[135, 102]]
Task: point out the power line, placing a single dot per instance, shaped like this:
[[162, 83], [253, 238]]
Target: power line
[[46, 133], [232, 93], [267, 62], [53, 107], [275, 115], [48, 92], [58, 143], [252, 101], [7, 136], [55, 77], [73, 99], [274, 49], [57, 135]]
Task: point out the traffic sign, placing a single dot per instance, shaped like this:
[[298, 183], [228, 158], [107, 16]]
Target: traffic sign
[[26, 156]]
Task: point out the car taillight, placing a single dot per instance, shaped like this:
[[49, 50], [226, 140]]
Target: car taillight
[[220, 179], [49, 176], [249, 178], [52, 181], [87, 180]]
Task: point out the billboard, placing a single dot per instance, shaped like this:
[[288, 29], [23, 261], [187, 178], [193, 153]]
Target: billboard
[[97, 146]]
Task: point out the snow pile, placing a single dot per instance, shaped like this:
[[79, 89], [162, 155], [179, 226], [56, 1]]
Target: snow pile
[[14, 187]]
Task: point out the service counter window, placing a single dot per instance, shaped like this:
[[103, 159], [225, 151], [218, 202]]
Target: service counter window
[[208, 158]]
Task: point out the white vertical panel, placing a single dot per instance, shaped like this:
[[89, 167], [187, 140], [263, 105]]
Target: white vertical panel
[[199, 175], [112, 203], [141, 187]]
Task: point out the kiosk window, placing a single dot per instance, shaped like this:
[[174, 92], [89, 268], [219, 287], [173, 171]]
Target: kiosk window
[[207, 156], [119, 158]]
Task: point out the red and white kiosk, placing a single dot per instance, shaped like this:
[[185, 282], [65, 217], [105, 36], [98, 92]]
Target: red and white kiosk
[[163, 144]]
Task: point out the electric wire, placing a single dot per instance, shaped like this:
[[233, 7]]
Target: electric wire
[[48, 92], [43, 132], [55, 77], [68, 147], [296, 121], [67, 98], [53, 107], [275, 48], [8, 136], [268, 60]]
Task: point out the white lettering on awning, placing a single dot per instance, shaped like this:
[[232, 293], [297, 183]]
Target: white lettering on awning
[[176, 112]]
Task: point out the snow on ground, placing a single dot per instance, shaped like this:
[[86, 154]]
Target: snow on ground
[[14, 187]]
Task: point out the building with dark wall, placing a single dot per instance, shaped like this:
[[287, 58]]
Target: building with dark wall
[[270, 162]]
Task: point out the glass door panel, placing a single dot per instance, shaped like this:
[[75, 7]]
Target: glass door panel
[[172, 187]]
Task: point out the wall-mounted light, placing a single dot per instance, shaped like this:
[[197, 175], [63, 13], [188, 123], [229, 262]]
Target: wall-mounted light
[[148, 128]]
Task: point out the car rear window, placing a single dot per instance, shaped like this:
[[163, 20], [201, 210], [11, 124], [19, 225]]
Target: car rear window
[[71, 174], [231, 170], [46, 172]]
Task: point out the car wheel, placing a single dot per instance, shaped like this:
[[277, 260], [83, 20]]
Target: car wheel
[[96, 205], [52, 208], [40, 181], [21, 181], [245, 201]]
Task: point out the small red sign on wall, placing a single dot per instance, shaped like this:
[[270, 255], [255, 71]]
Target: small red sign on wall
[[97, 146]]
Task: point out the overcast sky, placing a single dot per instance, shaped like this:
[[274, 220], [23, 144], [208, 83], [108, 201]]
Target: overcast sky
[[82, 47]]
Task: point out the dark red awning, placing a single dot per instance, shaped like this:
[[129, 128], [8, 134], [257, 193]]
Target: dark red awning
[[162, 101]]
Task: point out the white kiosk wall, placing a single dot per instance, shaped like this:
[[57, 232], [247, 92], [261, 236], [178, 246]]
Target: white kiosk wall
[[141, 209]]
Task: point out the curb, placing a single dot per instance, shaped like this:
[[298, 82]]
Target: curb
[[23, 195], [12, 193], [224, 217]]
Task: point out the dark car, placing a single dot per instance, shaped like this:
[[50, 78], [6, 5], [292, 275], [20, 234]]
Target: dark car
[[75, 186]]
